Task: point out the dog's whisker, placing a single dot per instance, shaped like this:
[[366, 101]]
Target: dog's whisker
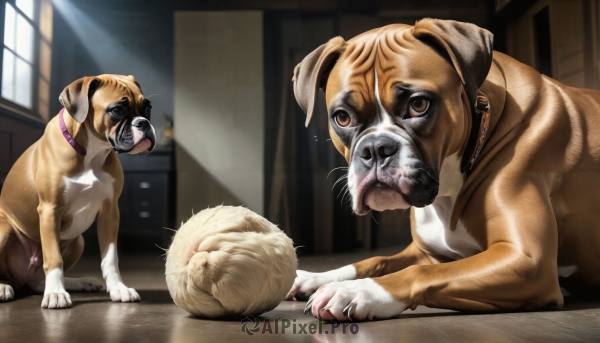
[[347, 192], [344, 189], [341, 190], [373, 216], [338, 180], [426, 172], [334, 169]]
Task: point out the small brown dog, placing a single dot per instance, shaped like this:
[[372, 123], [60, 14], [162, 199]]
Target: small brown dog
[[63, 182]]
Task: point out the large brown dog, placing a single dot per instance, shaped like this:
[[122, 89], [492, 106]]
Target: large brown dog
[[499, 164], [64, 181]]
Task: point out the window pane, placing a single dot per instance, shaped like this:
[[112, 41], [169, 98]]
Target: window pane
[[46, 19], [44, 99], [9, 26], [23, 83], [24, 38], [26, 6], [45, 59], [8, 75]]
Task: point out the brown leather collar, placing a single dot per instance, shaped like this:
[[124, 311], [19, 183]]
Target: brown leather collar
[[482, 115]]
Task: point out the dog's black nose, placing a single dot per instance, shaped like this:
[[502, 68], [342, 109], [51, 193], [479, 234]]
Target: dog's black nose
[[377, 149], [385, 147], [141, 124]]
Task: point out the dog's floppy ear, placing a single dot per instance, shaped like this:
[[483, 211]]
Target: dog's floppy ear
[[468, 46], [76, 97], [132, 78], [311, 74]]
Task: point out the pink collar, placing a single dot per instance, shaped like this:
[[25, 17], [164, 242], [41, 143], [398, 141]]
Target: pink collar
[[67, 136]]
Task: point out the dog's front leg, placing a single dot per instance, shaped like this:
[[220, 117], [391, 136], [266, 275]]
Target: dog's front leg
[[500, 278], [108, 228], [306, 283], [55, 295], [516, 271]]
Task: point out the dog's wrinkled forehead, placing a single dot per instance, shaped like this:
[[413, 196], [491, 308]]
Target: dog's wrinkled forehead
[[400, 50], [372, 73], [117, 87], [363, 55], [383, 58]]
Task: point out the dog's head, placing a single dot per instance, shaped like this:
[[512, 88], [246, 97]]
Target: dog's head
[[114, 110], [399, 101]]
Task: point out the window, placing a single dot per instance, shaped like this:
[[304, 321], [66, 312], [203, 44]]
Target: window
[[27, 55]]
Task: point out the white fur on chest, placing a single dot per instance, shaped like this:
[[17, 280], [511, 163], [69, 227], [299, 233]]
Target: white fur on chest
[[86, 192], [433, 221]]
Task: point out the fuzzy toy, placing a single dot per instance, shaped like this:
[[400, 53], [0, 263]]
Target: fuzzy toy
[[229, 261]]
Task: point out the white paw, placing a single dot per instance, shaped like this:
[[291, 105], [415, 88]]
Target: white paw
[[56, 300], [362, 299], [6, 293], [122, 293], [306, 283], [83, 284]]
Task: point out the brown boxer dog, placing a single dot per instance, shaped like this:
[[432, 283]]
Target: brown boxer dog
[[499, 165], [63, 182]]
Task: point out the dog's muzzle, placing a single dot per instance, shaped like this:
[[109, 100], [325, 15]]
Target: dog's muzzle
[[144, 138], [388, 174], [134, 137]]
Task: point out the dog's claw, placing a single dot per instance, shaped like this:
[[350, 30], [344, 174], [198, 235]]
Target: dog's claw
[[308, 305], [347, 312]]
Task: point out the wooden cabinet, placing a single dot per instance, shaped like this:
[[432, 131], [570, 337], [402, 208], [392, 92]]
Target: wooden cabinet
[[147, 203]]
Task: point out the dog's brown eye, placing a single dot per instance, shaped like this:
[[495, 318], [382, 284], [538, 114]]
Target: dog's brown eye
[[418, 106], [342, 118], [117, 111]]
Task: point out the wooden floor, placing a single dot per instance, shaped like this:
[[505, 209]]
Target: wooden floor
[[94, 318]]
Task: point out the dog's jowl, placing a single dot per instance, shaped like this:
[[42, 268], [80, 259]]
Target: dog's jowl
[[498, 164], [70, 177]]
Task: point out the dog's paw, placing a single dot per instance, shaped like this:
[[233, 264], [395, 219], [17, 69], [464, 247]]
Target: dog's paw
[[122, 293], [6, 293], [306, 283], [362, 299], [83, 284], [56, 300]]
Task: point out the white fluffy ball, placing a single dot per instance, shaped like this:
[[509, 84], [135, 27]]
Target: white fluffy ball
[[228, 261]]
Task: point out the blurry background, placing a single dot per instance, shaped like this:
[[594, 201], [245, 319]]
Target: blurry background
[[219, 76]]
